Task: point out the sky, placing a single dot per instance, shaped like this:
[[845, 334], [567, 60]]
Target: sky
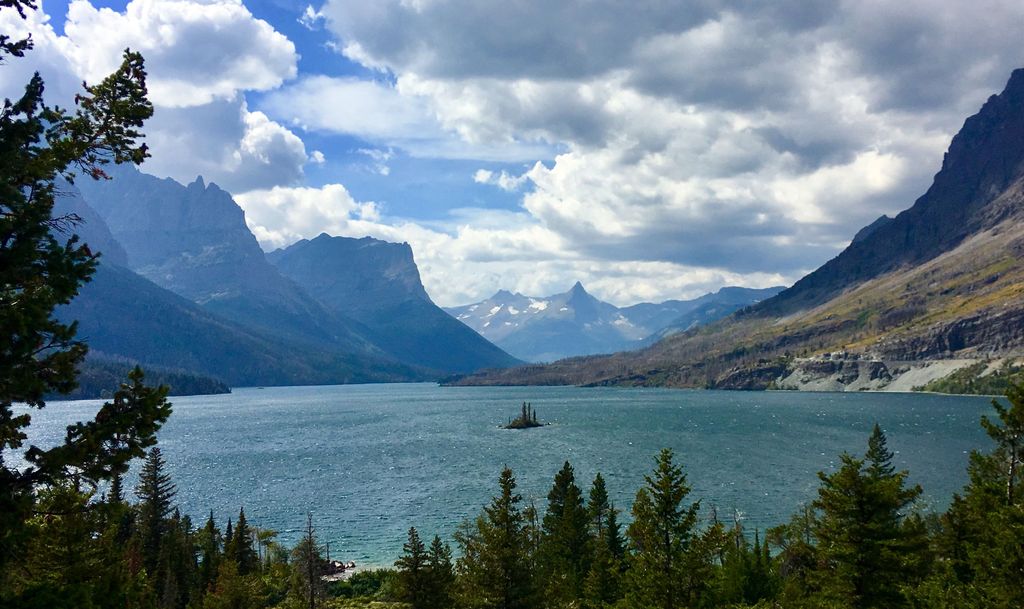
[[649, 149]]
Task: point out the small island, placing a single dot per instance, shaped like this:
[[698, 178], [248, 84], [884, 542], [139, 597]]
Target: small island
[[526, 420]]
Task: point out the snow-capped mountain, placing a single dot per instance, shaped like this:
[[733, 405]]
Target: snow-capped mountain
[[548, 328]]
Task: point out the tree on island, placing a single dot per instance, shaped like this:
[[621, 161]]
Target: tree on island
[[526, 419]]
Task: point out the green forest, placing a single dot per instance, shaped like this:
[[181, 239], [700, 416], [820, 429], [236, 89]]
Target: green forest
[[71, 535]]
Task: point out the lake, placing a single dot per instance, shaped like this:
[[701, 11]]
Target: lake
[[371, 460]]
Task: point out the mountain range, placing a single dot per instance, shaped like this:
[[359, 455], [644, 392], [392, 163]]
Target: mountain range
[[184, 288], [543, 329], [913, 298]]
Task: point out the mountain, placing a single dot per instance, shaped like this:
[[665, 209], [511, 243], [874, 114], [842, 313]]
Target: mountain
[[193, 241], [705, 309], [122, 315], [548, 328], [931, 291], [378, 284]]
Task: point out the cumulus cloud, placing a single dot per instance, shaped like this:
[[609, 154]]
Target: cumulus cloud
[[200, 57], [196, 52], [740, 138]]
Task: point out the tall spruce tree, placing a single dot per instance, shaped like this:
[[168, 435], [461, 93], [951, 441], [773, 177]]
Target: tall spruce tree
[[864, 535], [441, 575], [209, 544], [156, 493], [601, 588], [660, 537], [240, 548], [495, 549], [414, 573], [565, 543]]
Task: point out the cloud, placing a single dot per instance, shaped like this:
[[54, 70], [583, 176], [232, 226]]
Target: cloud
[[196, 52], [742, 138], [311, 19], [502, 179], [381, 113], [200, 57]]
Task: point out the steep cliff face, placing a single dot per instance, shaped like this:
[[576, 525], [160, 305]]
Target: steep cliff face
[[984, 160], [193, 241], [85, 222], [378, 284], [942, 280]]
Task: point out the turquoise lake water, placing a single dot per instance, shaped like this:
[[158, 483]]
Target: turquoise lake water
[[370, 460]]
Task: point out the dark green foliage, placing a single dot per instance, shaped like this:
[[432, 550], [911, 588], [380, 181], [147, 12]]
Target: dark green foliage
[[240, 548], [866, 540], [100, 378], [442, 575], [983, 531], [156, 493], [565, 543], [413, 572], [39, 272], [209, 545], [660, 538], [495, 549]]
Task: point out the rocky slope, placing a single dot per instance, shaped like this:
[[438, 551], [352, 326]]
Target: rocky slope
[[573, 323], [378, 284], [941, 281]]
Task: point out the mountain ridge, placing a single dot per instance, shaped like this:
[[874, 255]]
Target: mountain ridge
[[574, 322]]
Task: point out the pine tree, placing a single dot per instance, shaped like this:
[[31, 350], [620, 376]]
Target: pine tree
[[414, 572], [495, 550], [239, 548], [156, 493], [864, 538], [441, 575], [565, 548], [209, 544], [601, 587], [660, 537], [983, 530]]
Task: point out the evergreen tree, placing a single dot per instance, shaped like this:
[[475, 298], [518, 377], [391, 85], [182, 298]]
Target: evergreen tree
[[660, 537], [39, 271], [156, 493], [982, 533], [209, 544], [495, 550], [441, 575], [414, 572], [565, 550], [864, 536], [239, 548], [601, 587]]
